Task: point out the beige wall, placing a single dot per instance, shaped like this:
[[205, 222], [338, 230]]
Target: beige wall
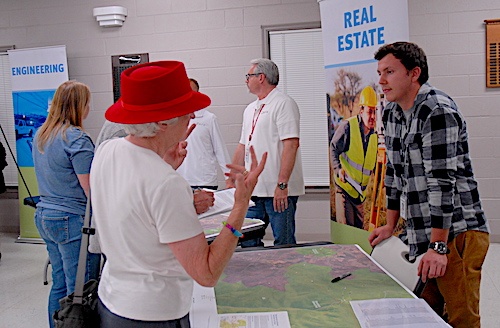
[[217, 38]]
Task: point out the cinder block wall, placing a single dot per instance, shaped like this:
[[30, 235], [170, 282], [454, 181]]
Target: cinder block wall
[[453, 35], [217, 38]]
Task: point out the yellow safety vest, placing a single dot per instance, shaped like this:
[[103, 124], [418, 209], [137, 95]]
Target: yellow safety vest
[[357, 165]]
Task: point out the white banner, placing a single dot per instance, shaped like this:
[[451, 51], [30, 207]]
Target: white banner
[[35, 75], [38, 68], [352, 32]]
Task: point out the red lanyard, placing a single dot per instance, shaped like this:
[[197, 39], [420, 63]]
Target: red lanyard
[[254, 121]]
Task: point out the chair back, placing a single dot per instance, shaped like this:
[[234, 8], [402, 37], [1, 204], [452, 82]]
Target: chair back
[[392, 255]]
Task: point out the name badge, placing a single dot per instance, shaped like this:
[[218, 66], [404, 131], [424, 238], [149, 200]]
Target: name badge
[[402, 206], [247, 153]]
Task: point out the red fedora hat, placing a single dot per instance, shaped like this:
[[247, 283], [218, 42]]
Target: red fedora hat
[[153, 92]]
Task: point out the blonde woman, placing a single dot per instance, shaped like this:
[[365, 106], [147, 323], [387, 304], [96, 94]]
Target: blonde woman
[[62, 155]]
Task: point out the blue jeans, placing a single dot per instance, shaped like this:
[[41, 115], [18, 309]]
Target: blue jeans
[[62, 234], [283, 224]]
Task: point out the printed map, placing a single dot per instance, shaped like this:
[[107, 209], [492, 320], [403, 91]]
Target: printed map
[[298, 280]]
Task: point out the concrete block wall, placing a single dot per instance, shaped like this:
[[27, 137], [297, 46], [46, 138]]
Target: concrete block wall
[[452, 33], [216, 39]]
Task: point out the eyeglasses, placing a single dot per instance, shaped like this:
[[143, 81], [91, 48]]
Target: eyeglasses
[[247, 76]]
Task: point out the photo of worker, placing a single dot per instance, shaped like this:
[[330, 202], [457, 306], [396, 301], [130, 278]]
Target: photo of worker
[[354, 153]]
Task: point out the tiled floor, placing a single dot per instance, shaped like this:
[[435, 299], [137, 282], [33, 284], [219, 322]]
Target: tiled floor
[[23, 296]]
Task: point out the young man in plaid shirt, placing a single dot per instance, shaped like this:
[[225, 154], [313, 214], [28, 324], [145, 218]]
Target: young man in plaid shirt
[[430, 184]]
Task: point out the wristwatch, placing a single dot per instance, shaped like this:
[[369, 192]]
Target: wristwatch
[[282, 185], [439, 247]]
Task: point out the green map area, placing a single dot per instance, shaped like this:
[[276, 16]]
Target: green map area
[[298, 280]]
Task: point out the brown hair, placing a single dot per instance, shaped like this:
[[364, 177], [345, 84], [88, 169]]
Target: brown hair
[[410, 55], [68, 106], [195, 83]]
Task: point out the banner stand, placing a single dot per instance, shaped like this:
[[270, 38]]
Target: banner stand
[[352, 32], [35, 75]]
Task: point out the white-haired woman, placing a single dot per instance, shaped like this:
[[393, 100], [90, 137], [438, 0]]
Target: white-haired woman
[[143, 208]]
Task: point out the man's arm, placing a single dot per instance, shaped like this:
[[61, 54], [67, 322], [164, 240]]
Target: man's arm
[[288, 157], [433, 265], [439, 155], [382, 233]]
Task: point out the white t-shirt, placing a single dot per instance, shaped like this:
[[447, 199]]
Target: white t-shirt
[[279, 119], [206, 150], [139, 205]]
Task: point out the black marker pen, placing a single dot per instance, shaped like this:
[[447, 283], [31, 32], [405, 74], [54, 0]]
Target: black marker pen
[[341, 277]]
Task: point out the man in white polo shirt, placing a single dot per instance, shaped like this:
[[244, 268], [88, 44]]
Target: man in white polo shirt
[[272, 124]]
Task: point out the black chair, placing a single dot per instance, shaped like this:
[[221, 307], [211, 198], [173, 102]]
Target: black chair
[[393, 255]]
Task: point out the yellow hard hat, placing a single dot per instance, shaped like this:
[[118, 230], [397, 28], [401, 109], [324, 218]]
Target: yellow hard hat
[[368, 97]]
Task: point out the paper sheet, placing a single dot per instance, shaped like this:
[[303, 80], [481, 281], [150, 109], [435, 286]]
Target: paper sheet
[[212, 225], [396, 312], [203, 306], [251, 320], [224, 201], [203, 314]]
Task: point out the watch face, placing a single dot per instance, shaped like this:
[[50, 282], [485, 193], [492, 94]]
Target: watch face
[[282, 185], [440, 247]]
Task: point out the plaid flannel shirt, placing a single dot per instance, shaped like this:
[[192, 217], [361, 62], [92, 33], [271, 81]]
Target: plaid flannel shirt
[[428, 160]]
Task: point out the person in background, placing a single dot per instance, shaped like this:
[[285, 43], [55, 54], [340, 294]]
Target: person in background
[[430, 184], [62, 156], [272, 124], [109, 130], [143, 209], [206, 149], [353, 154]]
